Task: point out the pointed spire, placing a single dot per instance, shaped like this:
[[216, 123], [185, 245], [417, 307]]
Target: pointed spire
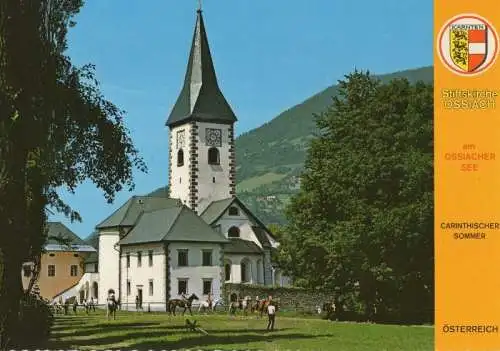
[[200, 98]]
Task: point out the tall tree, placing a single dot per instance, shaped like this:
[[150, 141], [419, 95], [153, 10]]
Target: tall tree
[[56, 130], [362, 224]]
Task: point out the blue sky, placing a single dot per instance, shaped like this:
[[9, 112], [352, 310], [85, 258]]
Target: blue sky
[[269, 56]]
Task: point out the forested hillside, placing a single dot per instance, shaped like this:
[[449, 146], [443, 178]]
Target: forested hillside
[[270, 158]]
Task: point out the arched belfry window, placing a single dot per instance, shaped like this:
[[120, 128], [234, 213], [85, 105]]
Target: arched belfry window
[[213, 156], [233, 232], [180, 158]]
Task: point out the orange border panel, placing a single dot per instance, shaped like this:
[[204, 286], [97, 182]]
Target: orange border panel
[[467, 183]]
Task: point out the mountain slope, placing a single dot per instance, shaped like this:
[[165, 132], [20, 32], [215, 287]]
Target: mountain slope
[[270, 158]]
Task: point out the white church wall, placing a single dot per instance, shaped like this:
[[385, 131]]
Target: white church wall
[[213, 180], [108, 263], [195, 273], [135, 276], [254, 270], [179, 182]]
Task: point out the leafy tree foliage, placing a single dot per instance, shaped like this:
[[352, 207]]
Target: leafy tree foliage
[[362, 224], [56, 130]]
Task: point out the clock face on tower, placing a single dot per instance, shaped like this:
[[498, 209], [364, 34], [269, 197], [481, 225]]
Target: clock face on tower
[[213, 137]]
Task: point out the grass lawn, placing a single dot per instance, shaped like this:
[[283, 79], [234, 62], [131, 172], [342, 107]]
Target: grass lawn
[[158, 331]]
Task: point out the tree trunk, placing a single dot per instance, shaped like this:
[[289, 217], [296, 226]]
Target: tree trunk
[[10, 297]]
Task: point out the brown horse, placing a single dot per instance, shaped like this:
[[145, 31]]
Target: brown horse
[[329, 308], [186, 304], [262, 306]]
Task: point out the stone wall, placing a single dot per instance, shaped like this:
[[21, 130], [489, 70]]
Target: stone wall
[[291, 298]]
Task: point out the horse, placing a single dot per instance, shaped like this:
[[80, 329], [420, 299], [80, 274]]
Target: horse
[[255, 306], [246, 304], [174, 303], [217, 302], [205, 305], [112, 306], [262, 306], [237, 304], [58, 308], [330, 308]]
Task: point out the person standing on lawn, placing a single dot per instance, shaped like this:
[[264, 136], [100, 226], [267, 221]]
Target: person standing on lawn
[[271, 314]]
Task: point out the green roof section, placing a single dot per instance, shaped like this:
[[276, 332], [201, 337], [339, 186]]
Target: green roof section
[[216, 209], [190, 227], [179, 224], [152, 226], [127, 215], [60, 231], [240, 246], [160, 192], [200, 98]]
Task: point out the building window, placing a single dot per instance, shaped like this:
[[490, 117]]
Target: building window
[[75, 255], [182, 286], [213, 179], [74, 270], [52, 270], [150, 258], [244, 277], [233, 232], [207, 258], [213, 156], [129, 290], [180, 158], [227, 271], [151, 287], [128, 260], [139, 259], [233, 211], [207, 286], [27, 270], [182, 258], [51, 255]]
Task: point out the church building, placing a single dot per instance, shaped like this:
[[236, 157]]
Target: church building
[[199, 235]]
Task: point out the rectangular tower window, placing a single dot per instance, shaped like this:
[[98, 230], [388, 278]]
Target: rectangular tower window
[[182, 258], [150, 258], [139, 259], [128, 260], [129, 289]]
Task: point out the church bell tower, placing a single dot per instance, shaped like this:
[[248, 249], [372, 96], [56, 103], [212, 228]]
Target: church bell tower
[[201, 138]]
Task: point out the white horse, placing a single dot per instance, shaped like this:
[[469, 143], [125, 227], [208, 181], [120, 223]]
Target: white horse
[[246, 304], [205, 305]]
